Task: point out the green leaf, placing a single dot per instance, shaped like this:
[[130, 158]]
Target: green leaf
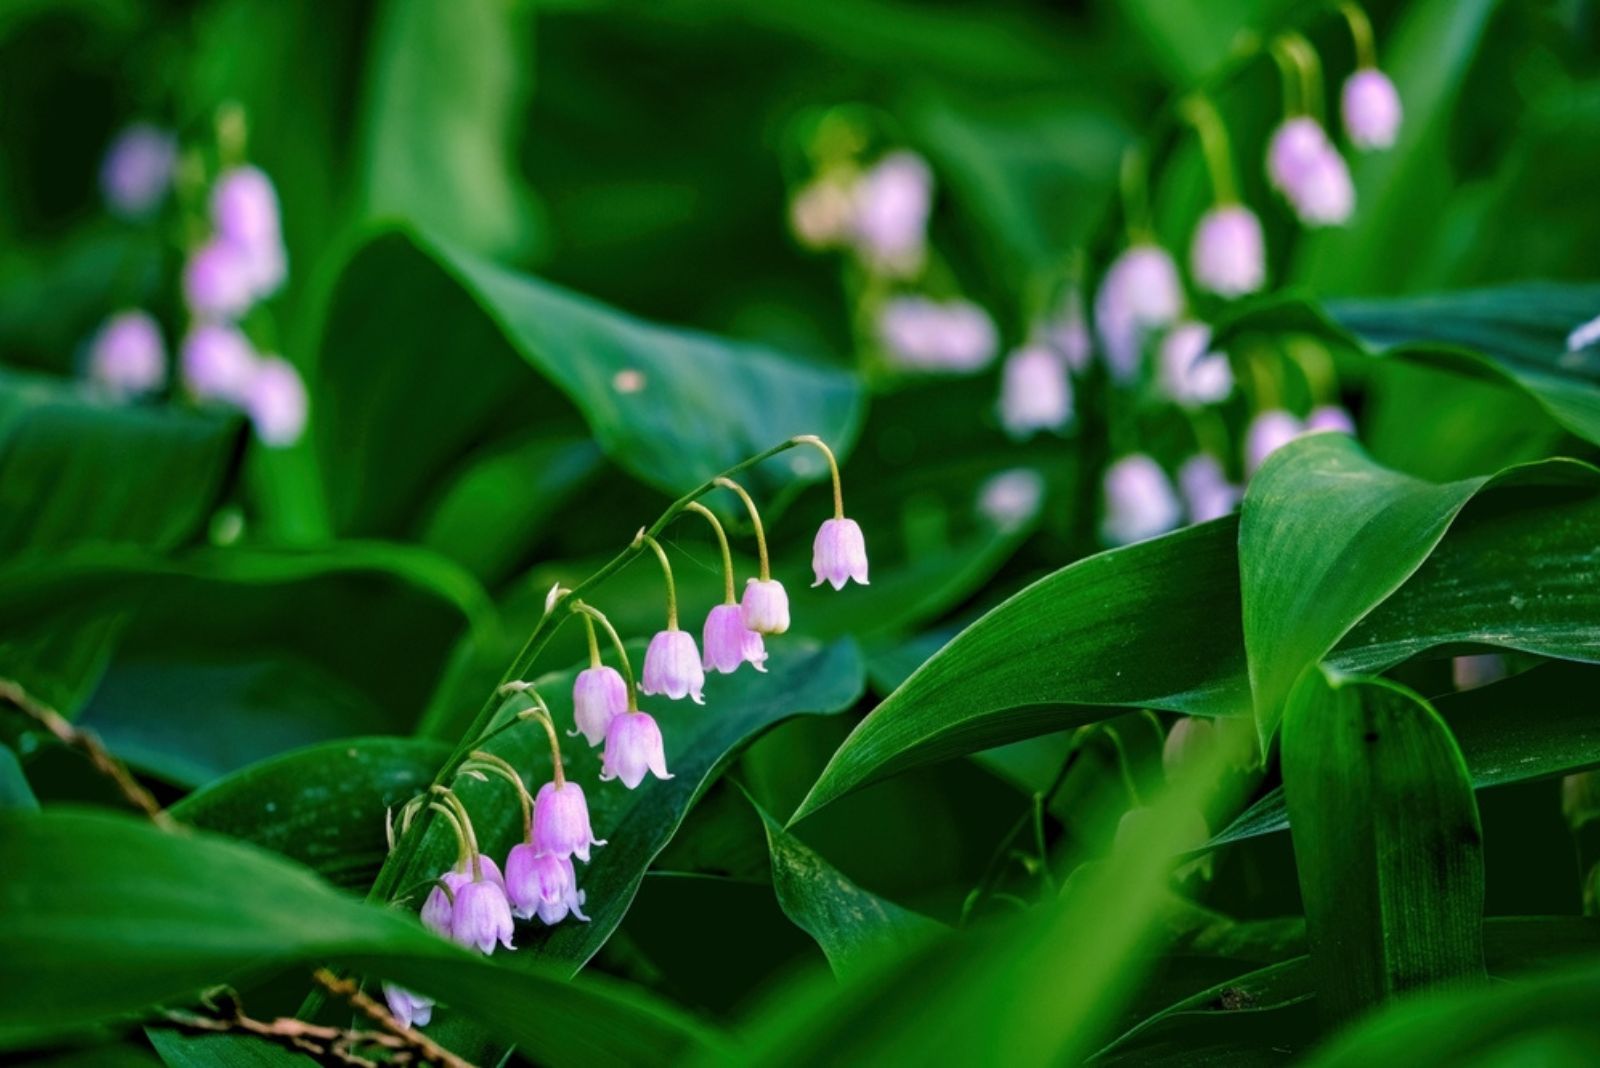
[[1325, 536], [802, 677], [1513, 335], [852, 925], [446, 94], [1386, 842], [14, 789], [109, 916], [1155, 625], [669, 406], [1553, 732], [323, 806], [1545, 1020]]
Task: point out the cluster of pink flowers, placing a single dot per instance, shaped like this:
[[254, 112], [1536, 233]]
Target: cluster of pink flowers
[[474, 903], [241, 263]]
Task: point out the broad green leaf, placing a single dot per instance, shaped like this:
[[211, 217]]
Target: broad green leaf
[[1546, 1020], [1155, 625], [108, 916], [1535, 725], [278, 645], [802, 677], [14, 789], [1515, 335], [853, 926], [446, 92], [669, 406], [180, 1050], [1387, 842], [323, 806], [1325, 536]]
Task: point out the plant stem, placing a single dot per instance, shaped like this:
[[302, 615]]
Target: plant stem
[[594, 646], [500, 766], [755, 521], [1361, 34], [833, 469], [728, 596], [666, 573], [1202, 115]]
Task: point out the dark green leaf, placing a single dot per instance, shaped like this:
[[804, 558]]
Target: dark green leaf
[[14, 789], [1386, 841], [323, 806], [670, 406], [108, 916], [853, 926]]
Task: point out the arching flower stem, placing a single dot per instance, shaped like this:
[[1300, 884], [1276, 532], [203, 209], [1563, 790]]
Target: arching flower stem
[[666, 574], [728, 594], [765, 571]]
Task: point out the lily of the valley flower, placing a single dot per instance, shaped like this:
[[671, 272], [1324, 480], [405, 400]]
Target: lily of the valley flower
[[137, 171], [543, 885], [839, 551], [217, 363], [276, 402], [1228, 256], [633, 747], [1139, 501], [1139, 294], [1035, 392], [765, 606], [561, 821], [481, 917], [672, 667], [408, 1009], [127, 357], [598, 695], [727, 642]]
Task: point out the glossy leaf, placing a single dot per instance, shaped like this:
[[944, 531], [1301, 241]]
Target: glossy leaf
[[669, 406], [1155, 625], [1387, 842], [852, 925], [1535, 725], [1325, 536], [323, 806], [110, 916]]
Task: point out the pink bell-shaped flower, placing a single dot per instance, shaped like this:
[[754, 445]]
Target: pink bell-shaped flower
[[1035, 392], [1269, 431], [1371, 108], [727, 642], [765, 607], [1293, 151], [127, 357], [1330, 417], [890, 216], [1228, 256], [839, 553], [1206, 491], [408, 1009], [218, 281], [1139, 294], [542, 885], [437, 909], [1325, 195], [481, 916], [633, 747], [1140, 502], [598, 694], [672, 667], [561, 821], [218, 363], [137, 170], [276, 402], [1190, 373]]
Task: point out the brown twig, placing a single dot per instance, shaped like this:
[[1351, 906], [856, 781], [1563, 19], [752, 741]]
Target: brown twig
[[402, 1045], [380, 1015], [86, 742]]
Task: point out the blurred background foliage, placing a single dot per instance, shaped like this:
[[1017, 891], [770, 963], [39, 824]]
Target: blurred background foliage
[[463, 455]]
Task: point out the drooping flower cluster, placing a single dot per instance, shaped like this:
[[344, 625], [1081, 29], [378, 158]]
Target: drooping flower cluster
[[473, 903], [238, 264]]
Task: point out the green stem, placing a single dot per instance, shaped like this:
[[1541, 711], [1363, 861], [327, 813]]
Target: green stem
[[394, 868], [1305, 58], [728, 595], [666, 574], [594, 646], [755, 521], [1202, 115], [1135, 195], [833, 469], [501, 767], [464, 850], [1361, 34], [1289, 72]]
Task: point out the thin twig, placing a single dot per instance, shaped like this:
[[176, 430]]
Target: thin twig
[[380, 1015], [85, 741]]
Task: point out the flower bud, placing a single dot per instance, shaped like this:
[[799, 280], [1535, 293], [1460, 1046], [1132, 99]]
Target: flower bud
[[1190, 374], [598, 694], [481, 916], [218, 363], [765, 607], [244, 210], [672, 667], [218, 281], [561, 821], [1295, 147], [890, 213], [1207, 493], [633, 746], [1068, 333], [276, 401], [1325, 195], [820, 214], [1139, 501], [1035, 393], [1139, 293], [1269, 431], [1228, 256], [127, 357], [924, 335], [727, 642], [408, 1009], [1371, 108], [1330, 417], [839, 553], [137, 170], [1011, 498], [543, 885]]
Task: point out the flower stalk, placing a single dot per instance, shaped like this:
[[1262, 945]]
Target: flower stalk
[[765, 571], [728, 595]]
